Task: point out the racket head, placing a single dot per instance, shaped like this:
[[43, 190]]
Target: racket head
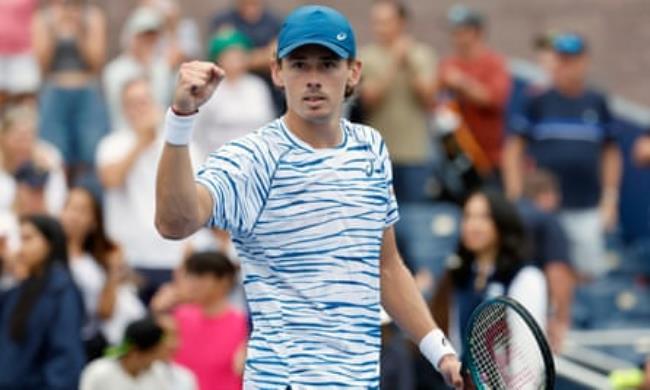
[[504, 348]]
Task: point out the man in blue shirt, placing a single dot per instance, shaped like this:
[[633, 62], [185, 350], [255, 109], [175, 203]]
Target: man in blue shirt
[[568, 131], [308, 200]]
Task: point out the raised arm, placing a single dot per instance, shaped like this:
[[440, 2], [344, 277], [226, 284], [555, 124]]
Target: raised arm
[[182, 206], [402, 301]]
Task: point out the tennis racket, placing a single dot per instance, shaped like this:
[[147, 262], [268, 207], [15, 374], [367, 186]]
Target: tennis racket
[[505, 349]]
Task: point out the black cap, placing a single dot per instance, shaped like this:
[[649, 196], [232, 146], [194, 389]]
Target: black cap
[[142, 335]]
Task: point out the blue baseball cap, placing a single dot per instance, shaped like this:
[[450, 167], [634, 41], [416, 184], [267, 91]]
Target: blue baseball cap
[[569, 44], [317, 25]]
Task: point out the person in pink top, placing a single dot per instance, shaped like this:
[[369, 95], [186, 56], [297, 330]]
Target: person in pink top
[[212, 334], [19, 76]]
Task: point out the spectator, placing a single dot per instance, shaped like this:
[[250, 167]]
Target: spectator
[[126, 160], [490, 262], [140, 58], [550, 249], [180, 35], [223, 118], [568, 129], [98, 269], [476, 79], [397, 370], [41, 318], [138, 363], [19, 74], [641, 151], [397, 91], [203, 315], [253, 19], [545, 57], [69, 39], [32, 177]]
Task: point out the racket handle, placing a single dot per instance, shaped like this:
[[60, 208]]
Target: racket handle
[[468, 383]]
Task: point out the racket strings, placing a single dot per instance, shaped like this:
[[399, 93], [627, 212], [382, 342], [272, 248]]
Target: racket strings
[[504, 351]]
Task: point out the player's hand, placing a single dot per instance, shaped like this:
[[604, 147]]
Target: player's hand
[[197, 81], [449, 367]]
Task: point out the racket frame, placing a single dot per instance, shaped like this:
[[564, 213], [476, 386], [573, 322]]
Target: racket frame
[[538, 334]]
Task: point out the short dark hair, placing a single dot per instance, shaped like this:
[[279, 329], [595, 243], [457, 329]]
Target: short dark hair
[[210, 262], [144, 334], [543, 41]]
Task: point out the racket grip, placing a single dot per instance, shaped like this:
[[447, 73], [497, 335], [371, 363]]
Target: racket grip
[[468, 383]]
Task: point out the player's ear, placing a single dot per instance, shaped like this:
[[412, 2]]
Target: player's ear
[[354, 73], [276, 72]]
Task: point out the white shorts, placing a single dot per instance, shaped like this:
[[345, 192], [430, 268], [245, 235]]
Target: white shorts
[[586, 234], [19, 73]]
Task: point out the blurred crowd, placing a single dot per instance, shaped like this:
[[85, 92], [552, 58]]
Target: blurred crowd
[[92, 297]]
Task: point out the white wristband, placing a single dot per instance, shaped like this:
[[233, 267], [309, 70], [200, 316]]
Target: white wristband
[[434, 346], [178, 129]]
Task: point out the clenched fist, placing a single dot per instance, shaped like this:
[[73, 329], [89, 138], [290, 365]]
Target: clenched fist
[[197, 81]]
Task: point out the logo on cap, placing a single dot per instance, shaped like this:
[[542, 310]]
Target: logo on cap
[[341, 36]]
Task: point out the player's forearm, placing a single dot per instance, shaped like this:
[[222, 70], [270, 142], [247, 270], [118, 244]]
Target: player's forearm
[[403, 302], [177, 201]]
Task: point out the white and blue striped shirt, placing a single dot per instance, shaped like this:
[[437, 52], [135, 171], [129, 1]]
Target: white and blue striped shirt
[[308, 224]]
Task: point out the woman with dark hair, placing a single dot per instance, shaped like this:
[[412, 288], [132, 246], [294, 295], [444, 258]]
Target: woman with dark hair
[[41, 318], [490, 262], [98, 268]]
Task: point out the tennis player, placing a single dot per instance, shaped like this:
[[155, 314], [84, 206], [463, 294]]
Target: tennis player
[[308, 200]]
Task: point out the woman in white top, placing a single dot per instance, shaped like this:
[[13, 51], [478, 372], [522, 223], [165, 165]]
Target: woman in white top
[[98, 268], [490, 261]]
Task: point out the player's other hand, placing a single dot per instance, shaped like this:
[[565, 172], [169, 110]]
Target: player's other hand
[[450, 367], [197, 81]]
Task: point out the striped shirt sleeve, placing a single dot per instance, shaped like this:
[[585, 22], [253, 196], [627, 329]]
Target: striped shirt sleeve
[[392, 213], [238, 179]]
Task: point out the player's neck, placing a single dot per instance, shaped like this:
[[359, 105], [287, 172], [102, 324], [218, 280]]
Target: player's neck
[[318, 135]]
